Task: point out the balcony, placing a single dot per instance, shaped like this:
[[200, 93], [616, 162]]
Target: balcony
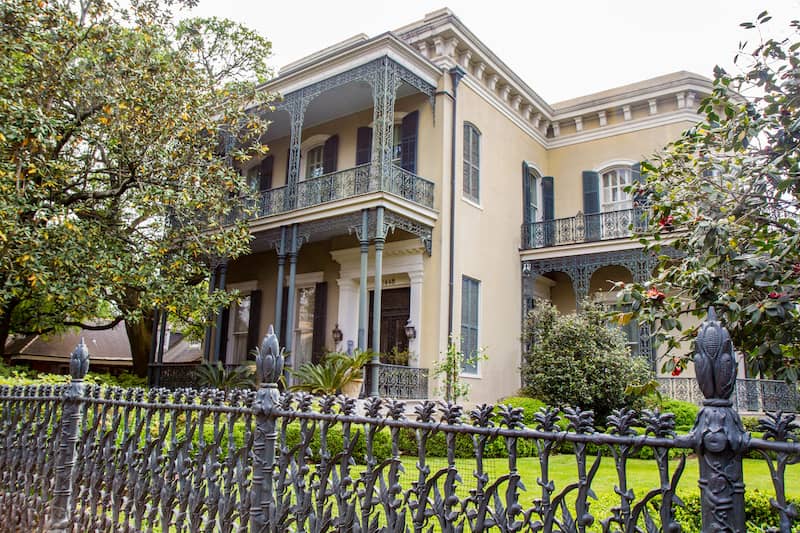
[[340, 185], [583, 228]]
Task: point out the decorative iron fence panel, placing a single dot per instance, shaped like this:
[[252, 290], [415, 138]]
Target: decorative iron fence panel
[[79, 458], [750, 395], [583, 228], [402, 382]]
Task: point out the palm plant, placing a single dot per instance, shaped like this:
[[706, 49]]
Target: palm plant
[[334, 372], [216, 376]]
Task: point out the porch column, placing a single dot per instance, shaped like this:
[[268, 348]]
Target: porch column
[[280, 247], [384, 89], [380, 239], [223, 271], [212, 281], [348, 300], [415, 316], [296, 108], [289, 341], [363, 315]]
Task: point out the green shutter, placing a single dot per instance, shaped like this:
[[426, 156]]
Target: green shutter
[[591, 192]]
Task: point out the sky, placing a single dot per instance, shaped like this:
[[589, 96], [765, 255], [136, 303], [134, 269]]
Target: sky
[[560, 48]]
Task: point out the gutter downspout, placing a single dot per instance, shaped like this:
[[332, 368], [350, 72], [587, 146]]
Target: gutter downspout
[[456, 73]]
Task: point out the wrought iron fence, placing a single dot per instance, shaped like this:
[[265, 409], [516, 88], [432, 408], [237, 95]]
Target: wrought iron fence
[[402, 382], [77, 458], [583, 228], [335, 186], [750, 395]]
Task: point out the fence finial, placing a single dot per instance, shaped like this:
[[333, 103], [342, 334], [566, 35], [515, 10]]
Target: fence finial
[[79, 361], [714, 360], [269, 359]]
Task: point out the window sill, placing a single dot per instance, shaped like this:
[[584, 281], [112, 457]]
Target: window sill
[[471, 202], [470, 376]]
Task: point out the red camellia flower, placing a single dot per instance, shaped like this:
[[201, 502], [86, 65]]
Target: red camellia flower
[[655, 294], [775, 295], [677, 371], [666, 222]]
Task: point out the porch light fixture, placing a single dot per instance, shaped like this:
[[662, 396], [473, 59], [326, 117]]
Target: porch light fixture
[[337, 334], [411, 331]]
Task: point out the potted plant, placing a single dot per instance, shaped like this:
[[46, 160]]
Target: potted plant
[[337, 373]]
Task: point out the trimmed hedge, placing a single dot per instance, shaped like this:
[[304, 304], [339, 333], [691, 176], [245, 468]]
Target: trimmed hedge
[[758, 512]]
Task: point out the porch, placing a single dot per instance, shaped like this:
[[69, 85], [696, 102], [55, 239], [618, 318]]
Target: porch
[[583, 228]]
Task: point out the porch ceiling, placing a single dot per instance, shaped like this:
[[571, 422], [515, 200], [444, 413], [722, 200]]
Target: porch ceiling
[[332, 104]]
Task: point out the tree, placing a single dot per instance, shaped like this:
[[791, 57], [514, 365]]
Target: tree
[[115, 180], [726, 197], [577, 360]]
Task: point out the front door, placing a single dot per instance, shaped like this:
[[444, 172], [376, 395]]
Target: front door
[[395, 304]]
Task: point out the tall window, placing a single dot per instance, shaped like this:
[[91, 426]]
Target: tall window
[[239, 329], [531, 190], [472, 161], [613, 183], [470, 294], [315, 164]]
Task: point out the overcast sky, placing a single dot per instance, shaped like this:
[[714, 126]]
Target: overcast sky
[[561, 48]]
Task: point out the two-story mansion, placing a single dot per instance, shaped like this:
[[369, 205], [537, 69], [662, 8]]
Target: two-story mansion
[[417, 188]]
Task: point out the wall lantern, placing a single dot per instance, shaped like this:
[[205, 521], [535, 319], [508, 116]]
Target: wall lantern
[[337, 334], [411, 331]]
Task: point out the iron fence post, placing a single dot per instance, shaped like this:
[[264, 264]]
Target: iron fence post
[[61, 510], [269, 364], [720, 438]]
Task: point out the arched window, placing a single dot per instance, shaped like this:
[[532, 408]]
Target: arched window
[[613, 182], [472, 169]]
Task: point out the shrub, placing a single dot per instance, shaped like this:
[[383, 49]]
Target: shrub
[[216, 376], [685, 413], [758, 512], [579, 360], [330, 375]]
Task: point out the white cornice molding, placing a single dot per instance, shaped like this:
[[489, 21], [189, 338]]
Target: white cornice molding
[[505, 109], [652, 121], [343, 60]]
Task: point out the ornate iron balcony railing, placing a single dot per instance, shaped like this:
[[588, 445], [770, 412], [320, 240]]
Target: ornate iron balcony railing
[[583, 228], [347, 183], [750, 395]]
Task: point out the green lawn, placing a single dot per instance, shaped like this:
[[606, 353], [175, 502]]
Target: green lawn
[[642, 477]]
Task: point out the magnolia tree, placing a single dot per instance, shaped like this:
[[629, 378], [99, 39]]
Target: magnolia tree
[[726, 197], [115, 179]]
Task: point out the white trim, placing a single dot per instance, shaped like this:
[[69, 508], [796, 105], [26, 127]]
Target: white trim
[[631, 126], [471, 202], [305, 280], [613, 163], [314, 141]]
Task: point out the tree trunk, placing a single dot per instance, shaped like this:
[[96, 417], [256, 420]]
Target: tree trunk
[[140, 337], [5, 323]]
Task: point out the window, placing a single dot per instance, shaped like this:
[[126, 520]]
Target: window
[[315, 162], [397, 146], [613, 183], [239, 330], [472, 183], [470, 295], [532, 195]]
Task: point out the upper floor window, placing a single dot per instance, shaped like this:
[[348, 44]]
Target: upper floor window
[[315, 162], [472, 180], [613, 182]]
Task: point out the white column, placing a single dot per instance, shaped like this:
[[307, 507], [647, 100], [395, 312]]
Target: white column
[[415, 315], [348, 302]]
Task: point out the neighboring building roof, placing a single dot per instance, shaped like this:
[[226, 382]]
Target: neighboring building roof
[[107, 347]]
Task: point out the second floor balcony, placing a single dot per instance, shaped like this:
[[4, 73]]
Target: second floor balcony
[[583, 228], [341, 185]]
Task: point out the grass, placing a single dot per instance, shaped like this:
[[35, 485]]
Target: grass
[[642, 477]]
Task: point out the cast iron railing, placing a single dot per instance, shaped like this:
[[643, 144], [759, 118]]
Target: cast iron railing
[[583, 228], [335, 186], [78, 458], [750, 395], [402, 382]]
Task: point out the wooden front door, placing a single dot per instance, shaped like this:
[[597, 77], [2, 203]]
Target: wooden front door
[[394, 315]]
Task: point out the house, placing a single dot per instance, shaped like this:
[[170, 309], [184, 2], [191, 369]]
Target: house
[[416, 187]]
